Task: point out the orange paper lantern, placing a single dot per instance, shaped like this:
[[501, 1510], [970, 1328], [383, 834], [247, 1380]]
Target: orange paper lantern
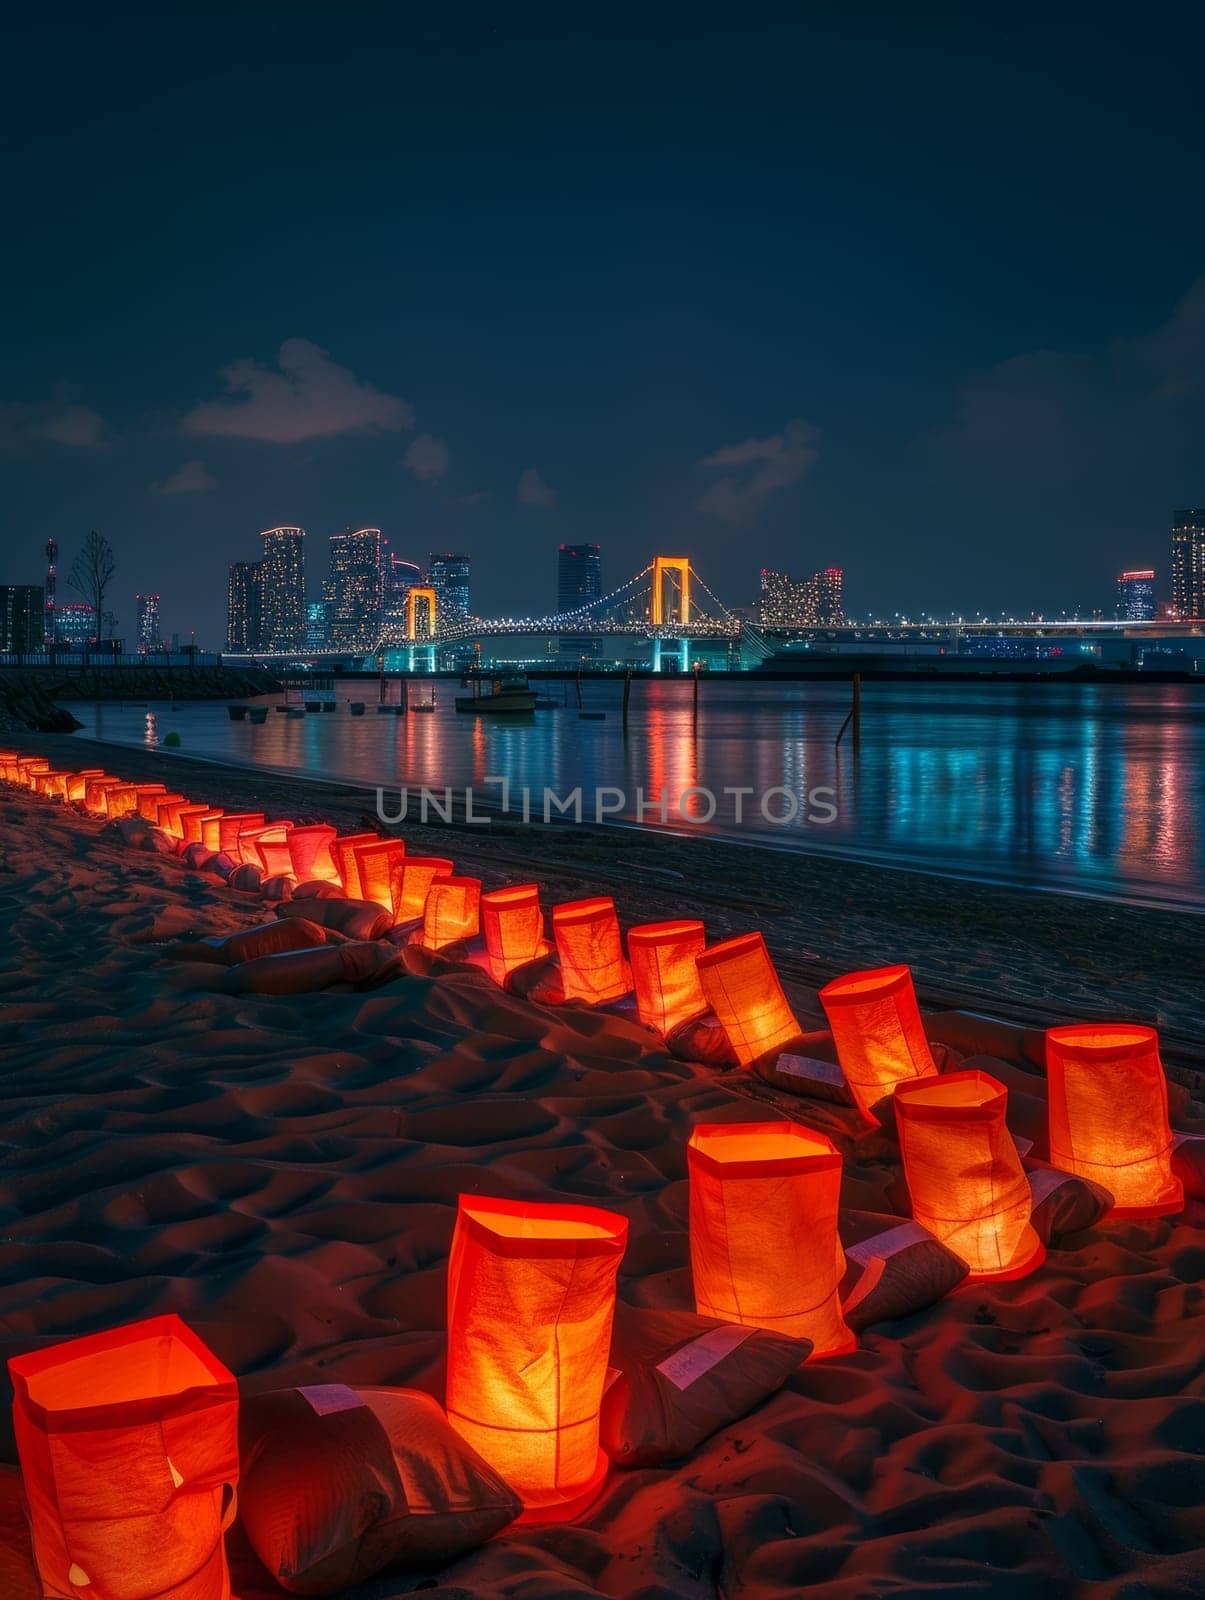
[[77, 782], [29, 766], [250, 840], [52, 784], [272, 849], [590, 950], [129, 1449], [150, 800], [167, 814], [344, 856], [1108, 1114], [378, 869], [121, 800], [187, 820], [663, 957], [531, 1296], [965, 1177], [310, 856], [742, 988], [513, 924], [453, 912], [94, 792], [764, 1247], [231, 827], [878, 1032], [412, 883]]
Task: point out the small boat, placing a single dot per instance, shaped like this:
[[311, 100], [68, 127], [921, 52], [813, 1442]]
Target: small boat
[[257, 714], [507, 696], [236, 713], [356, 707]]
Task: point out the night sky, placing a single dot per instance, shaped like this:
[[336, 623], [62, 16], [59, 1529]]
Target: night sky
[[916, 290]]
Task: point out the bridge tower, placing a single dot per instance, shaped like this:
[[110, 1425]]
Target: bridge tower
[[413, 596], [678, 566]]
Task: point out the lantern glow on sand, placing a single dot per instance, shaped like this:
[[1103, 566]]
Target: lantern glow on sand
[[310, 856], [344, 856], [412, 882], [128, 1443], [531, 1297], [249, 841], [379, 870], [231, 827], [513, 924], [764, 1247], [1108, 1114], [964, 1174], [453, 912], [878, 1032], [742, 988], [591, 951], [77, 783], [666, 979]]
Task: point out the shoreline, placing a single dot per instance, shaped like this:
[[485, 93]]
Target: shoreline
[[1028, 954]]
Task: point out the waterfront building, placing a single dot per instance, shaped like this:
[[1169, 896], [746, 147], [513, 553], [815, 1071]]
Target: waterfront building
[[787, 602], [75, 624], [244, 607], [1136, 595], [283, 590], [1188, 562], [22, 617], [578, 581], [148, 623], [353, 590], [448, 575]]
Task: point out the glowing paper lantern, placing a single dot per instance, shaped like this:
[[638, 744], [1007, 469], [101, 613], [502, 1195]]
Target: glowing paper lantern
[[129, 1449], [187, 820], [94, 792], [77, 782], [121, 801], [531, 1295], [878, 1032], [151, 799], [513, 924], [250, 839], [764, 1247], [412, 884], [663, 956], [232, 825], [965, 1177], [379, 870], [588, 944], [272, 849], [310, 853], [29, 766], [201, 825], [1108, 1114], [343, 854], [53, 784], [452, 913], [742, 988]]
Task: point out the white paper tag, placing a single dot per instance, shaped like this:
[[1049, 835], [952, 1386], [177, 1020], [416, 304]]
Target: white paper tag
[[809, 1067], [327, 1398], [1045, 1181], [701, 1354], [887, 1244]]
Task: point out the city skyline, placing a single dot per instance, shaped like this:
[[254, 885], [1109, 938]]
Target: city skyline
[[557, 341]]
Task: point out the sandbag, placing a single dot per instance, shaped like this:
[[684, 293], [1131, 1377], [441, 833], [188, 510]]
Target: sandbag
[[268, 939], [338, 1483], [279, 886], [195, 854], [808, 1066], [305, 971], [358, 919], [1064, 1203], [317, 889], [676, 1378], [701, 1039], [246, 878], [132, 830], [1188, 1162], [893, 1268]]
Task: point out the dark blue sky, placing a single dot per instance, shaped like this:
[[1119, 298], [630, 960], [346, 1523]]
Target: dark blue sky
[[916, 290]]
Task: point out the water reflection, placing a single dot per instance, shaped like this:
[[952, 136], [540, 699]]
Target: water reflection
[[1076, 786]]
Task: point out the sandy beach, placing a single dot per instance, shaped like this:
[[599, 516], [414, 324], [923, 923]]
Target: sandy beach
[[283, 1173]]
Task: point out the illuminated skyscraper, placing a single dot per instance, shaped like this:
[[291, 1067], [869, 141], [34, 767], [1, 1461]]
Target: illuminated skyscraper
[[148, 623], [353, 589], [317, 627], [448, 575], [400, 577], [49, 630], [75, 623], [829, 585], [244, 608], [1136, 595], [578, 581], [788, 602], [284, 589], [1188, 563], [22, 617]]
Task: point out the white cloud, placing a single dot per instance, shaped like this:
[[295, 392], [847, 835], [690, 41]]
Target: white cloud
[[755, 469], [533, 491], [59, 422], [427, 458], [306, 396], [191, 478]]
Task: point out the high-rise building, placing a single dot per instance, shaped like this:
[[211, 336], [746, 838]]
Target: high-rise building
[[1136, 595], [400, 577], [283, 613], [148, 623], [578, 581], [22, 617], [1188, 563], [448, 575], [317, 625], [787, 602], [49, 632], [75, 623], [352, 590], [244, 608]]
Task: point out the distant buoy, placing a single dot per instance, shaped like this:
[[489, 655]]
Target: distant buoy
[[171, 739]]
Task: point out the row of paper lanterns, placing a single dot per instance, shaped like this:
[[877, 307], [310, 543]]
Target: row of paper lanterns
[[532, 1286]]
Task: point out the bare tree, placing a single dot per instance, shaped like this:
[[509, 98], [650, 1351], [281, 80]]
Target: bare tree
[[91, 573]]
